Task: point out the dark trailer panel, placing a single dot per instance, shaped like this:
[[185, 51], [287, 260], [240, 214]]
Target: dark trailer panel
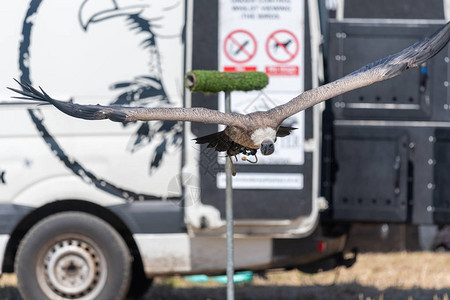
[[387, 143]]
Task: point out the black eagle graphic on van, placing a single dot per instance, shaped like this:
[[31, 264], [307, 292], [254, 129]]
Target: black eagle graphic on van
[[142, 89]]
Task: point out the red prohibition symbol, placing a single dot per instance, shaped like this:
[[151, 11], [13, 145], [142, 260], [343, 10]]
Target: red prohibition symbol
[[240, 46], [282, 46]]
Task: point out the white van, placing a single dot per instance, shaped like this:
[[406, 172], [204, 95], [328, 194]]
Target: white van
[[94, 210]]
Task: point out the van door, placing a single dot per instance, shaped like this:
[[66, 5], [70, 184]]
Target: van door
[[279, 193]]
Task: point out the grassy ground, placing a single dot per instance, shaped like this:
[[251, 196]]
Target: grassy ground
[[408, 276]]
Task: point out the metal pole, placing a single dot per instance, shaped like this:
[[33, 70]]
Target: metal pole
[[229, 216]]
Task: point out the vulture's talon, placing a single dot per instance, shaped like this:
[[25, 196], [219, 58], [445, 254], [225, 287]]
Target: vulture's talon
[[245, 158]]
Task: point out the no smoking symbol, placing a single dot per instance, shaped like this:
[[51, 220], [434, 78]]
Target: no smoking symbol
[[282, 46], [239, 46]]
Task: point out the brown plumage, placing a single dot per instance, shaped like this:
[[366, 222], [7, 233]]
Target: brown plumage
[[220, 141], [245, 133]]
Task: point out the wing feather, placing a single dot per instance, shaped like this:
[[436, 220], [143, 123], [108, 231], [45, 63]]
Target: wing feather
[[379, 70], [218, 140], [131, 114], [284, 131]]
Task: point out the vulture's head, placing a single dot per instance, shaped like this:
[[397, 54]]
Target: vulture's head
[[267, 147], [265, 138]]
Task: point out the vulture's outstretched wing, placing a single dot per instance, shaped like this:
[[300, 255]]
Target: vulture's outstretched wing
[[379, 70], [131, 114]]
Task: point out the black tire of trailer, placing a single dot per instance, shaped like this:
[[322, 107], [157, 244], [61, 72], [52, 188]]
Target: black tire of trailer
[[73, 255]]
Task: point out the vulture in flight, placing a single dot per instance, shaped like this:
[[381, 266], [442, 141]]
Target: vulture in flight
[[246, 133]]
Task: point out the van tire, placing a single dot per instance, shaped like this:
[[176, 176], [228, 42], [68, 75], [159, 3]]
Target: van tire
[[139, 287], [73, 255]]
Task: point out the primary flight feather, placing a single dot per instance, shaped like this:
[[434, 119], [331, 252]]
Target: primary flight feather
[[246, 133]]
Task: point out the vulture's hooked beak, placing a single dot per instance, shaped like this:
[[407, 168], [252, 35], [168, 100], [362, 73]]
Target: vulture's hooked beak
[[267, 147], [92, 11]]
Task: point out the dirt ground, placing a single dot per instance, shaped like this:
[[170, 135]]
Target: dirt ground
[[403, 275]]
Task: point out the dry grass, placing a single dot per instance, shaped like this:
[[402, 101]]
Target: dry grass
[[408, 276], [8, 280], [403, 275]]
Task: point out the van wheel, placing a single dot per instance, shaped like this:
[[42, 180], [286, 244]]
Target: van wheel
[[73, 255]]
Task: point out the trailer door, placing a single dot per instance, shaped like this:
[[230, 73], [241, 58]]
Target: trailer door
[[388, 142]]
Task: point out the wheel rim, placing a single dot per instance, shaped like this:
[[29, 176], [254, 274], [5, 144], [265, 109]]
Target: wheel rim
[[72, 268]]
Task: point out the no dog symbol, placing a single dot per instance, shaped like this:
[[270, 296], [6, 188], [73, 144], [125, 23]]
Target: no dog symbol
[[282, 46]]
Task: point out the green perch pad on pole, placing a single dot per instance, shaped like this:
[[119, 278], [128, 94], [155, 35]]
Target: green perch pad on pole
[[215, 81]]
